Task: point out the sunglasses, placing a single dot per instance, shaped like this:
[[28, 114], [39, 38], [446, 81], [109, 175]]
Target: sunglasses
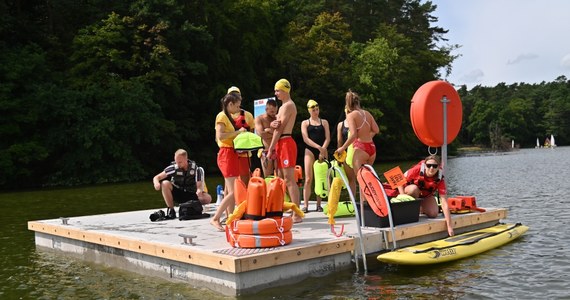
[[313, 106], [431, 166]]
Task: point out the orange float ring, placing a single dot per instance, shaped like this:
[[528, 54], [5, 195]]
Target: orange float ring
[[258, 241], [426, 113], [262, 227], [370, 187]]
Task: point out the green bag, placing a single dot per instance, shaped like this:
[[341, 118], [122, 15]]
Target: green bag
[[247, 141]]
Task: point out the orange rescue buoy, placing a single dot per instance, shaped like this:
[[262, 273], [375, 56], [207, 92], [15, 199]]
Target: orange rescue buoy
[[426, 113], [240, 191], [258, 241], [299, 175], [275, 197], [372, 190], [256, 195], [262, 227]]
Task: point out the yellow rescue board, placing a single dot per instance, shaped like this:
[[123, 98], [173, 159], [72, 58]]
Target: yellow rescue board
[[455, 247]]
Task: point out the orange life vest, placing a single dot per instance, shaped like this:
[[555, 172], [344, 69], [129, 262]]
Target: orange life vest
[[240, 121], [427, 187]]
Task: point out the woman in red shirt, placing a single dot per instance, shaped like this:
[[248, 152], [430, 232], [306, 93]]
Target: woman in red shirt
[[423, 180]]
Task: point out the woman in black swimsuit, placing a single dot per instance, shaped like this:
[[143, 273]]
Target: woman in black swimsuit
[[316, 135], [341, 137]]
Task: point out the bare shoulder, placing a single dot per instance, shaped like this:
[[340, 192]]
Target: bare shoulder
[[353, 115], [287, 109]]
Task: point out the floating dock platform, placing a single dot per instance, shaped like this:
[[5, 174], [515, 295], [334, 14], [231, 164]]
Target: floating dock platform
[[195, 252]]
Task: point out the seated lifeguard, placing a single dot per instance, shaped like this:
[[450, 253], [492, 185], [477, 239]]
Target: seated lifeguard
[[423, 180], [183, 183]]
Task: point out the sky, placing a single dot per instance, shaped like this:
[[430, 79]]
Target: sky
[[506, 41]]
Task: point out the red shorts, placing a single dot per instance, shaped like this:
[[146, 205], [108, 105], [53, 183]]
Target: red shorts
[[231, 164], [367, 147], [286, 150]]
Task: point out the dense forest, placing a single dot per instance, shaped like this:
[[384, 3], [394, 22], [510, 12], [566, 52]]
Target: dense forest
[[95, 91]]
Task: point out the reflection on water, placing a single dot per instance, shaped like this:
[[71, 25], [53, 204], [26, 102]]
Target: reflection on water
[[531, 183]]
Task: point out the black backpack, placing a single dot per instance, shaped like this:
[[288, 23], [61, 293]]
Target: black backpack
[[191, 210]]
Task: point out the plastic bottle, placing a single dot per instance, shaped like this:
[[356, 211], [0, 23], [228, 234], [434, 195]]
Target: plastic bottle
[[220, 193]]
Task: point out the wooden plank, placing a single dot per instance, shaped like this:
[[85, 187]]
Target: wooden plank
[[296, 254]]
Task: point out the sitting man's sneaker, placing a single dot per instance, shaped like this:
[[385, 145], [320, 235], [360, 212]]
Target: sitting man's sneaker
[[171, 213]]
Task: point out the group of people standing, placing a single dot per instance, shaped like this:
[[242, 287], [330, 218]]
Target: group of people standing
[[279, 156], [275, 129]]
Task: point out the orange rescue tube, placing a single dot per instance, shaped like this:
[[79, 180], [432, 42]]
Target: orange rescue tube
[[258, 241], [299, 175], [426, 113], [275, 197], [256, 194], [372, 190], [240, 191], [262, 227]]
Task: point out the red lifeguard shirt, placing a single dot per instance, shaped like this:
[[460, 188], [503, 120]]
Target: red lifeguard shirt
[[414, 174]]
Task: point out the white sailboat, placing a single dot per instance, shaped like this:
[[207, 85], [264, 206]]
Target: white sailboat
[[537, 143], [552, 143]]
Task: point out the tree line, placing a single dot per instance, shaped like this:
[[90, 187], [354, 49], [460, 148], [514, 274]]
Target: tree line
[[95, 91], [495, 116]]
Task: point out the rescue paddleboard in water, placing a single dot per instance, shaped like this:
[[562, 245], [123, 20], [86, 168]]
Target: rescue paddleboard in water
[[455, 247]]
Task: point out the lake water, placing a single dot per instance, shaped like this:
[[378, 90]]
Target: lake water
[[532, 184]]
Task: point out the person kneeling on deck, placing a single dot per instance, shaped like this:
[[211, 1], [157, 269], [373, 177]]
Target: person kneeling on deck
[[184, 183], [423, 180]]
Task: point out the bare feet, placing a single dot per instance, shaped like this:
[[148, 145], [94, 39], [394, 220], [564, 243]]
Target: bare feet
[[297, 219], [217, 224]]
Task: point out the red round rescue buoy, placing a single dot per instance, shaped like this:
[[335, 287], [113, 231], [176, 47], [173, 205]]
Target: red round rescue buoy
[[426, 113]]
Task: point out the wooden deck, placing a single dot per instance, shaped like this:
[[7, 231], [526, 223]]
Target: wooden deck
[[128, 240]]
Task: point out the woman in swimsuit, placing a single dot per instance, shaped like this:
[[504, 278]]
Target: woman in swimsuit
[[316, 135], [362, 127], [342, 133]]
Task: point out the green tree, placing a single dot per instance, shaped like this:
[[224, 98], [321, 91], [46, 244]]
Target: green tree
[[22, 69], [557, 110], [316, 55], [100, 133]]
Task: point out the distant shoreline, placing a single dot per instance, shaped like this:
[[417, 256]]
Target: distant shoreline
[[480, 151]]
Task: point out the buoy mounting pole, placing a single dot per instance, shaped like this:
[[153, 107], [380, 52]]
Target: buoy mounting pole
[[444, 102]]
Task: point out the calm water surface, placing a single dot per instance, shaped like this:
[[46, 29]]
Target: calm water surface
[[532, 184]]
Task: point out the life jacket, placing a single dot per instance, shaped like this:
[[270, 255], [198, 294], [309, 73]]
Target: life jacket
[[427, 187], [240, 121], [185, 180], [264, 200]]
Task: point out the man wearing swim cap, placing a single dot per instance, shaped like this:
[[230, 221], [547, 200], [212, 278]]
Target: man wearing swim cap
[[283, 147]]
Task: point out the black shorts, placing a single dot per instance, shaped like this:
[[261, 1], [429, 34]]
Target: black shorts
[[180, 196]]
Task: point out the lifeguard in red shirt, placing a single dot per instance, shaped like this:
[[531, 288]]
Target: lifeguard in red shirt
[[424, 179]]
